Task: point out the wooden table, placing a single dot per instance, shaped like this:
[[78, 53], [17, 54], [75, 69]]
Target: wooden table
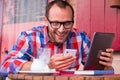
[[61, 77]]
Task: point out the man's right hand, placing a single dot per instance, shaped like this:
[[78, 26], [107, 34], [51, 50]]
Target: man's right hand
[[61, 61]]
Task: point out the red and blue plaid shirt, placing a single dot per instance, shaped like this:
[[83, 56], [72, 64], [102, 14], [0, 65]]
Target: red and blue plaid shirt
[[38, 38]]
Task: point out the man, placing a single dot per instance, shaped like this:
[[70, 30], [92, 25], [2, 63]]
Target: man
[[58, 36]]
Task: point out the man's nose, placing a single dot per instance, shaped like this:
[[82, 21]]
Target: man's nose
[[61, 29]]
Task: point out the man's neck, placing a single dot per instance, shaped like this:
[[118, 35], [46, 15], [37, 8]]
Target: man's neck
[[59, 45]]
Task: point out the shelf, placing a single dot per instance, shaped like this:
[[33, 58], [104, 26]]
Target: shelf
[[114, 3]]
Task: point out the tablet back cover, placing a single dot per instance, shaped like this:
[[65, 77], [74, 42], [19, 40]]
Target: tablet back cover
[[100, 42]]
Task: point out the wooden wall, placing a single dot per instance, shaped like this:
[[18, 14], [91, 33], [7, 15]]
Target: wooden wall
[[1, 9], [10, 30], [90, 16], [97, 15]]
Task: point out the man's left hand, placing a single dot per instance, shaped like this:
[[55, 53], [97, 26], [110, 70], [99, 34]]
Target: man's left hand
[[106, 59]]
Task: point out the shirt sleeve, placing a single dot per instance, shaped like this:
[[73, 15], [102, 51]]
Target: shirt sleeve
[[16, 57]]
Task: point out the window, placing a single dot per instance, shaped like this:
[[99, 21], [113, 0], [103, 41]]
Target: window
[[21, 11]]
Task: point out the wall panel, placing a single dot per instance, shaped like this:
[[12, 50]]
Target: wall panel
[[97, 16], [117, 43], [90, 16], [1, 17], [83, 15], [111, 20], [19, 15]]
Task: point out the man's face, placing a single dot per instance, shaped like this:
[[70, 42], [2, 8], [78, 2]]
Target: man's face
[[58, 32]]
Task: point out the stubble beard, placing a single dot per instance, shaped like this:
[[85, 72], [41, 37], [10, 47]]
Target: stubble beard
[[53, 38]]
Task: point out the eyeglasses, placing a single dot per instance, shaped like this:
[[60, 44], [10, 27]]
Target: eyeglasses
[[56, 24]]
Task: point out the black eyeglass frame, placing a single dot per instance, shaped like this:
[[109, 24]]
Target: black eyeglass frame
[[61, 23]]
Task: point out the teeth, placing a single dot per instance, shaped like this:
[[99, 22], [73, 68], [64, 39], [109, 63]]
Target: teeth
[[62, 34]]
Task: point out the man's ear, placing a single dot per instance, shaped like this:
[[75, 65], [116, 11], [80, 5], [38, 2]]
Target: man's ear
[[45, 20]]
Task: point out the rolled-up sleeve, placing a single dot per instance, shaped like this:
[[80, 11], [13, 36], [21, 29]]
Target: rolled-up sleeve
[[14, 61]]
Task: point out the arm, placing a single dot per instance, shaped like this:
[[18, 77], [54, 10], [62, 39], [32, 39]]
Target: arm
[[15, 58]]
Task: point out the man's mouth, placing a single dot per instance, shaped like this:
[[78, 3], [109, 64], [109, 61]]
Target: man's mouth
[[60, 36]]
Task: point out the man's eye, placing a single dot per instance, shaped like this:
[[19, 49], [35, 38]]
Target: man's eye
[[67, 23], [55, 23]]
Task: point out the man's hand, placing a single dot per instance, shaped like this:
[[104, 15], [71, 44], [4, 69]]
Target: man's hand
[[61, 61], [106, 59]]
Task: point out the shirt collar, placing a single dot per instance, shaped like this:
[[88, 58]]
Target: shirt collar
[[47, 39]]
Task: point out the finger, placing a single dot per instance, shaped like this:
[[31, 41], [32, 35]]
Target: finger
[[64, 66], [106, 54], [110, 50], [64, 57], [57, 55], [105, 63], [106, 59], [66, 61], [56, 62], [53, 61], [51, 64]]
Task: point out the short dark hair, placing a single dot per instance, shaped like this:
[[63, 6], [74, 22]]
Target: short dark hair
[[59, 3]]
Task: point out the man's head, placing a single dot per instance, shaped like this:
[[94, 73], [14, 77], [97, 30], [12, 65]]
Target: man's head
[[60, 17]]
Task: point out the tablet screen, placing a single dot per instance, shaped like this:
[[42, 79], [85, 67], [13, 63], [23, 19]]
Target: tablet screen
[[100, 42]]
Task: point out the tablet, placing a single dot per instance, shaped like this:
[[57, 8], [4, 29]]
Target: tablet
[[100, 42]]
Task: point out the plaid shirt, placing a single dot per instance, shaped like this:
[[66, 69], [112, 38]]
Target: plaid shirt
[[38, 37]]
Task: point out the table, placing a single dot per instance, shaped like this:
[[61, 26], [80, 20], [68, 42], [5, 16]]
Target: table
[[61, 77]]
